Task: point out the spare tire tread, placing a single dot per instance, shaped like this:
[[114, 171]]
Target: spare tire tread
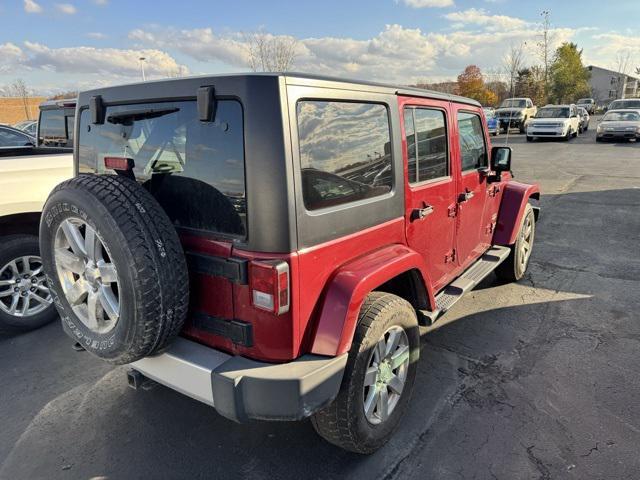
[[161, 270]]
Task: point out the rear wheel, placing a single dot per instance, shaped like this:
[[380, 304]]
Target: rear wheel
[[515, 266], [25, 299], [378, 379]]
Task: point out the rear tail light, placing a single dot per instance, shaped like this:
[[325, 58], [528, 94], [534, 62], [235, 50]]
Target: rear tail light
[[119, 163], [269, 284]]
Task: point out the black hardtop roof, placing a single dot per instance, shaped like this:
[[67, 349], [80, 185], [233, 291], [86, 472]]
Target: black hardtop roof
[[294, 78]]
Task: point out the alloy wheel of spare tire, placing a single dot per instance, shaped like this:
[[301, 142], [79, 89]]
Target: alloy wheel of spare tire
[[115, 267]]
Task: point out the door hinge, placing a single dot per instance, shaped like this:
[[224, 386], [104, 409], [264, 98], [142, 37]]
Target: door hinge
[[489, 229], [452, 211], [450, 257]]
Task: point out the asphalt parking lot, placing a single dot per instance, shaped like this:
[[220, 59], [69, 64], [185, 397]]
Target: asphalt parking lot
[[538, 379]]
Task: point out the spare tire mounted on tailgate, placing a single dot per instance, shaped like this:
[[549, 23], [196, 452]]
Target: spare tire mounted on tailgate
[[115, 266]]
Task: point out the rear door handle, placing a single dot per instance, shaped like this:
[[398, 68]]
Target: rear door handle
[[466, 196], [421, 213]]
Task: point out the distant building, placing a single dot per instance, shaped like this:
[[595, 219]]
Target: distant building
[[607, 85]]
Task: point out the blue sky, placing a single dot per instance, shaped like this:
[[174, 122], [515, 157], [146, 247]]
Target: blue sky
[[66, 44]]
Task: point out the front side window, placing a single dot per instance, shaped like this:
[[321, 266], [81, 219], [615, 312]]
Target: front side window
[[56, 127], [472, 147], [345, 152], [427, 149], [195, 169]]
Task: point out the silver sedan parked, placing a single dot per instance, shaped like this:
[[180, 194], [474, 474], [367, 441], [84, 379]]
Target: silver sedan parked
[[619, 125]]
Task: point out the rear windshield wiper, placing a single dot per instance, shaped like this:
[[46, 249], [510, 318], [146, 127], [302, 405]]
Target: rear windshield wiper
[[130, 116]]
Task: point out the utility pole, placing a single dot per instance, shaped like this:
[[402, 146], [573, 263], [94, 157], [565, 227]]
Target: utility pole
[[142, 59], [544, 47]]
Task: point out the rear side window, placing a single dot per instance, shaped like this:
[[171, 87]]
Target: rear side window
[[427, 150], [9, 138], [194, 169], [345, 152], [472, 146], [56, 128]]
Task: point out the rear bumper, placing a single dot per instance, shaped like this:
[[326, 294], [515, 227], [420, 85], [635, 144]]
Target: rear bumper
[[242, 389]]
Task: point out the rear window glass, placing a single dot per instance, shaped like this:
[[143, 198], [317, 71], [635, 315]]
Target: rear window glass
[[56, 127], [345, 152], [194, 169]]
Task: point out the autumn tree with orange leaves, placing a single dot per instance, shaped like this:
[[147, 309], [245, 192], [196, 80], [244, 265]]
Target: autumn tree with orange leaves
[[471, 84]]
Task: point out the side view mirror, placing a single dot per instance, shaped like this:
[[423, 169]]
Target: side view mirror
[[501, 159]]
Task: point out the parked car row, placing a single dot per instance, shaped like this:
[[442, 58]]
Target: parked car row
[[565, 121]]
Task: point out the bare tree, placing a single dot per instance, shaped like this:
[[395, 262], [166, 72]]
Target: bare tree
[[513, 62], [623, 59], [19, 89], [622, 62], [546, 39], [270, 53]]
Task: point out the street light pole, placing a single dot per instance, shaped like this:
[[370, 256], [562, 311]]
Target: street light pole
[[142, 59]]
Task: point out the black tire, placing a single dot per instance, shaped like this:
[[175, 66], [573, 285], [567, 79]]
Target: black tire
[[343, 423], [14, 247], [529, 139], [142, 244], [513, 268], [523, 125]]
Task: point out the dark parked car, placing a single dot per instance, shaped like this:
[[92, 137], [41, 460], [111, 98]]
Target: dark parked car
[[12, 137], [270, 244]]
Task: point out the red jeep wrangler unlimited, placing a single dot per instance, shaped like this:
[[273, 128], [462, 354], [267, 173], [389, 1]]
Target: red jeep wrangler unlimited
[[270, 244]]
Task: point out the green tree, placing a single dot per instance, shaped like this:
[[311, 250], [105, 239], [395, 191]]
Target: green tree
[[569, 78], [530, 83]]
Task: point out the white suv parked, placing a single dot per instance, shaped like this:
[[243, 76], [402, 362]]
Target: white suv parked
[[559, 121]]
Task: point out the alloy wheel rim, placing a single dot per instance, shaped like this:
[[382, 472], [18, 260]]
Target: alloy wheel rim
[[527, 241], [386, 375], [23, 288], [88, 277]]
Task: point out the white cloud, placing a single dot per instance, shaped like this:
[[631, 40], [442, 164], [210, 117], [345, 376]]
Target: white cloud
[[101, 62], [101, 2], [428, 3], [30, 6], [97, 35], [479, 17], [610, 45], [66, 8], [397, 54]]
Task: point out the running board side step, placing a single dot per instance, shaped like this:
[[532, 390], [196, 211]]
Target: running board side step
[[453, 292]]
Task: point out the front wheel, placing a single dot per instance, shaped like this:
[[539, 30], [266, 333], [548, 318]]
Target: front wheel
[[515, 266], [529, 139], [378, 379]]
